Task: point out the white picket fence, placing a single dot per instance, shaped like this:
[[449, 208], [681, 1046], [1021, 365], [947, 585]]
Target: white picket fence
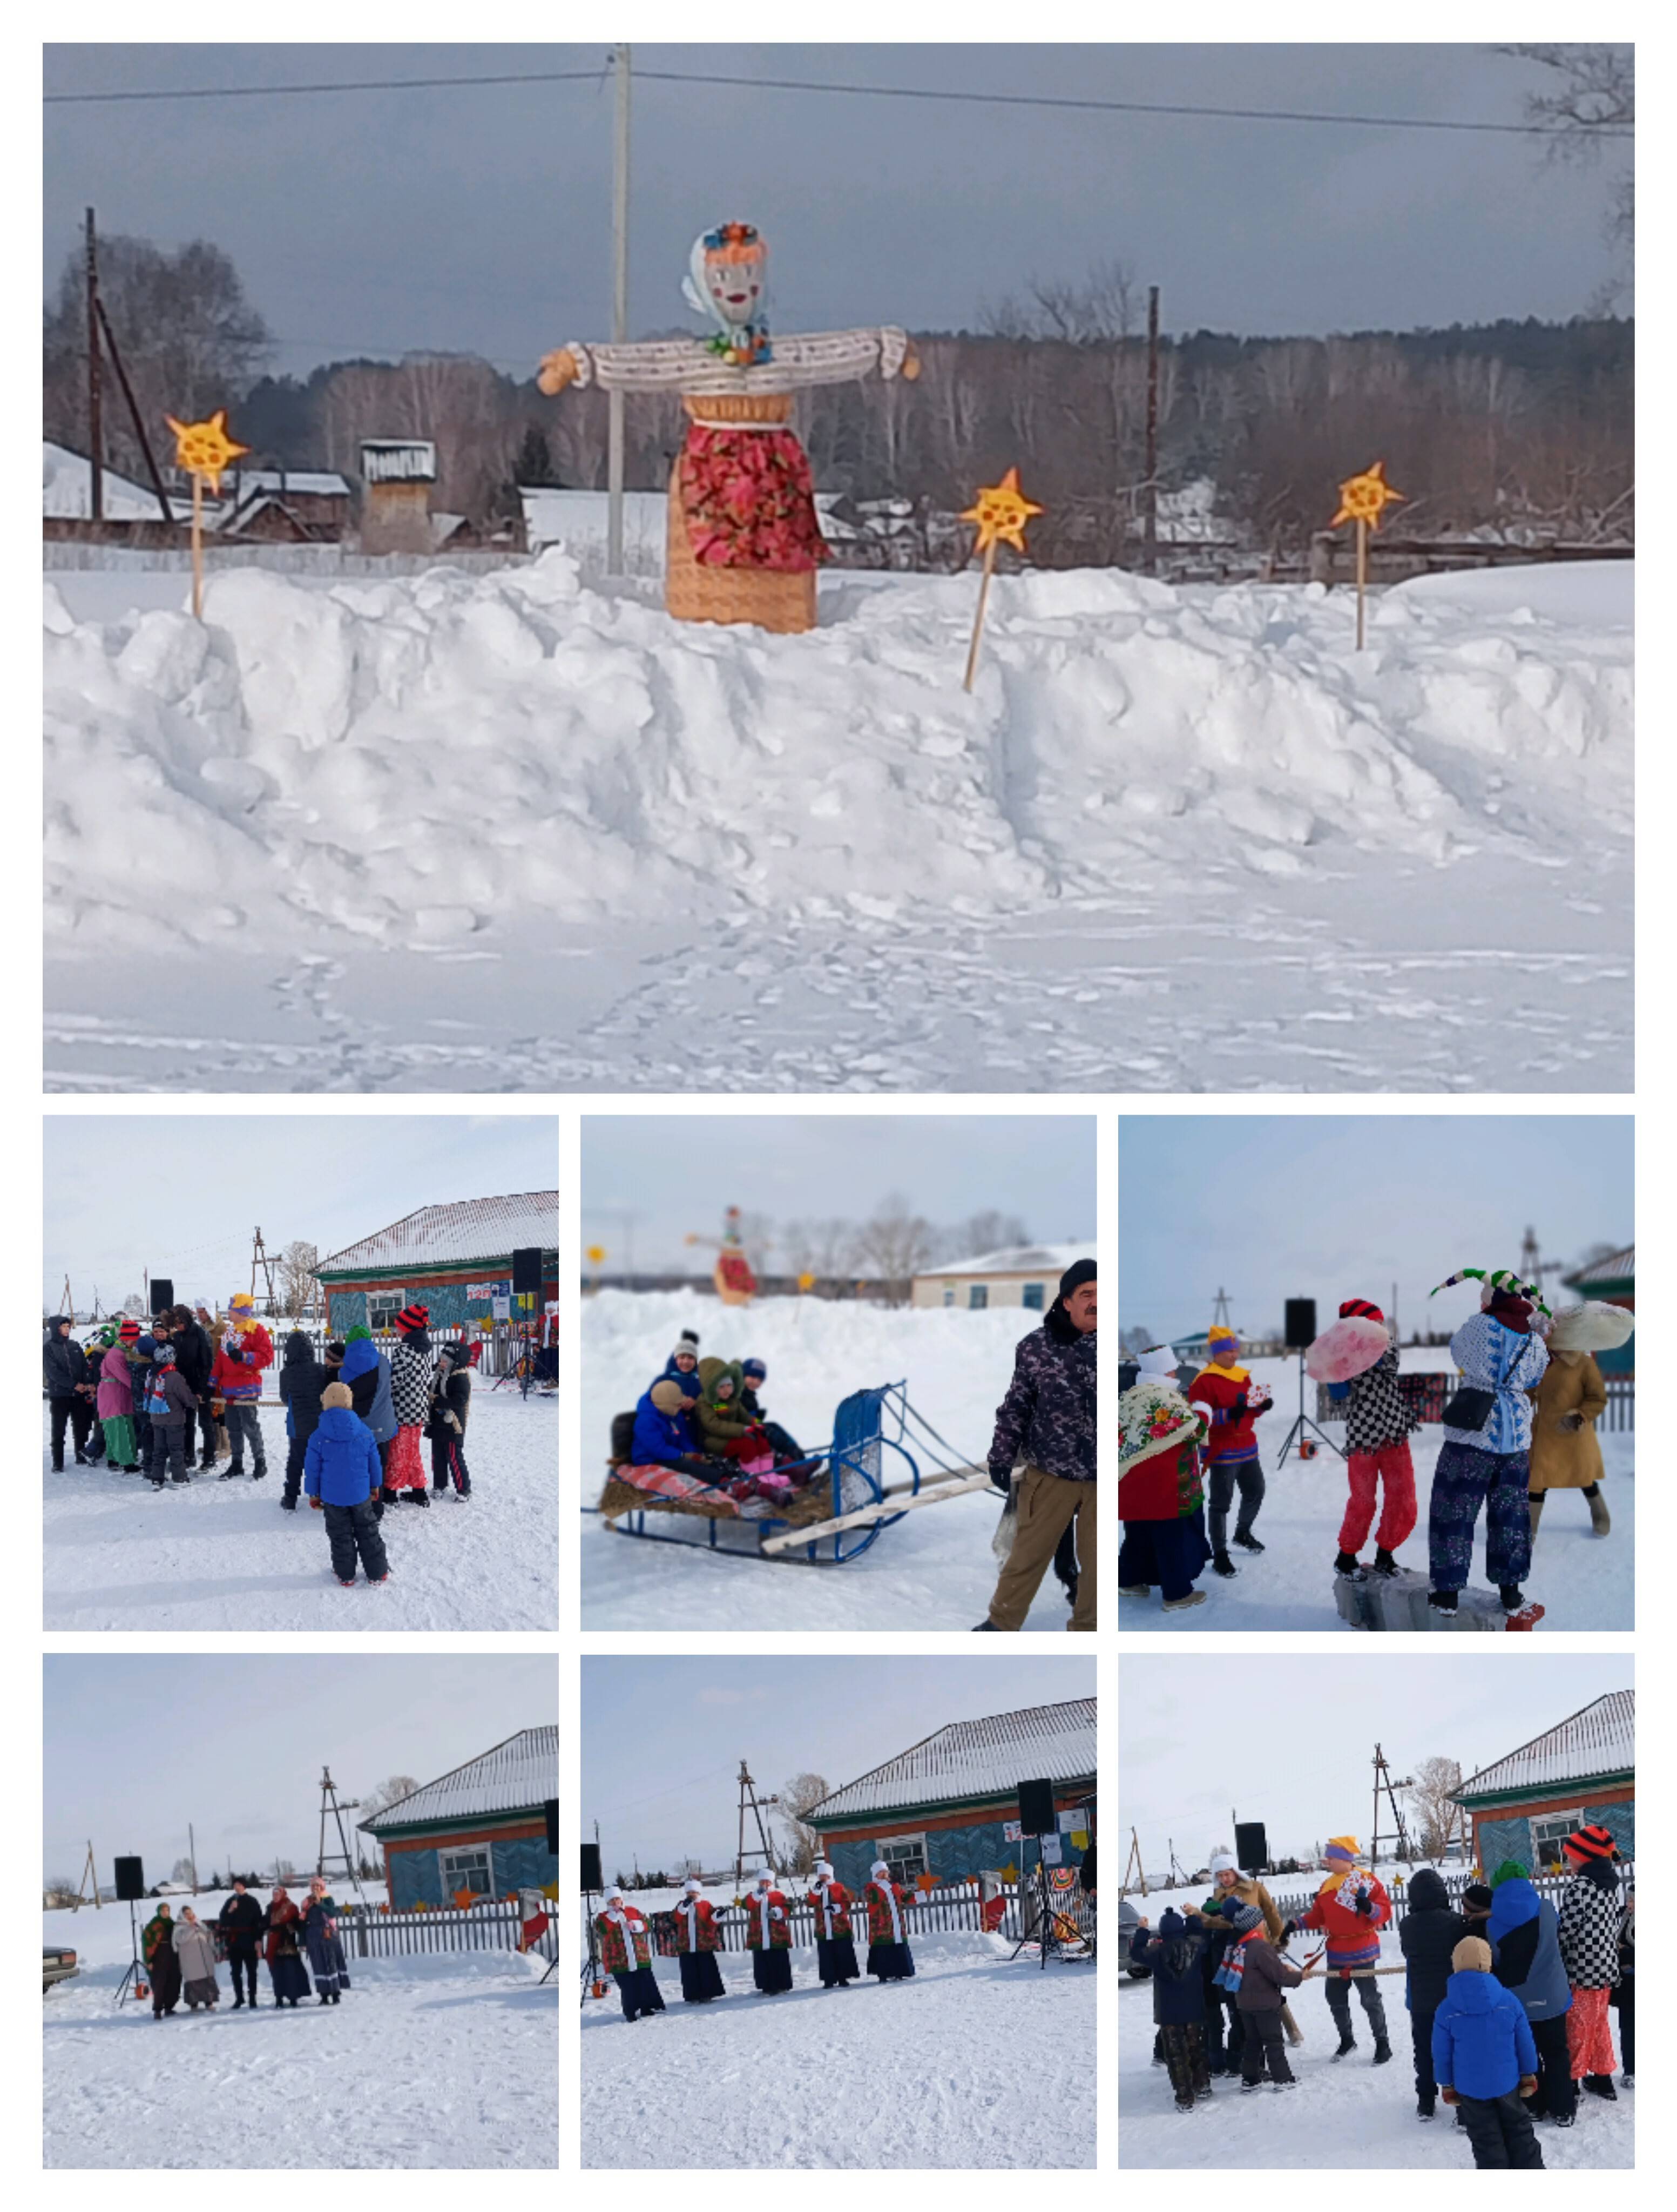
[[489, 1927]]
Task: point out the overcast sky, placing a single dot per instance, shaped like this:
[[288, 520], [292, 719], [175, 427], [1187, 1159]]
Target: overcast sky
[[478, 219], [1187, 1761], [137, 1747], [647, 1183], [662, 1739], [1339, 1206], [182, 1194]]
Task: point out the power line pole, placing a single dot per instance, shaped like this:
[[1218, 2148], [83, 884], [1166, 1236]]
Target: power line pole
[[614, 454], [95, 434], [1150, 543]]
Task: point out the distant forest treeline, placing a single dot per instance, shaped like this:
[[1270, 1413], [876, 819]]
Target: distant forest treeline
[[1523, 428]]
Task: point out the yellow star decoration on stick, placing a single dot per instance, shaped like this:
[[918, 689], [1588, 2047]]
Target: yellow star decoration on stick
[[1001, 512], [204, 449], [1365, 498]]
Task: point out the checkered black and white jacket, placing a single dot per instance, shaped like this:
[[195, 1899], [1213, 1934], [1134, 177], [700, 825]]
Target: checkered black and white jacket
[[1376, 1413], [1590, 1917]]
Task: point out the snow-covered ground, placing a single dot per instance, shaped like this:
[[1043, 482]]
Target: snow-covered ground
[[974, 2062], [933, 1570], [445, 2060], [223, 1555], [1345, 2112], [1585, 1582], [506, 831]]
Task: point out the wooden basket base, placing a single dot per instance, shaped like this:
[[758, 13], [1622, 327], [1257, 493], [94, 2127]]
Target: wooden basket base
[[773, 599]]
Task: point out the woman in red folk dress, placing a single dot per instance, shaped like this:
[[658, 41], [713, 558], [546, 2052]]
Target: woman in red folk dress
[[769, 1934], [835, 1952], [625, 1950], [698, 1939], [888, 1953]]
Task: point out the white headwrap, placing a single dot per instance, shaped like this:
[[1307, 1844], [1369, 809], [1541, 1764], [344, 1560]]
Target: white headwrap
[[1158, 1359], [696, 293]]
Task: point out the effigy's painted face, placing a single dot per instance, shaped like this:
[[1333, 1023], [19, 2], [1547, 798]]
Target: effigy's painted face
[[734, 280]]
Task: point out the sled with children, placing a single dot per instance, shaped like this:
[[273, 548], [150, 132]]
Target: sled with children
[[700, 1462], [1519, 1423], [1507, 1993], [182, 1397]]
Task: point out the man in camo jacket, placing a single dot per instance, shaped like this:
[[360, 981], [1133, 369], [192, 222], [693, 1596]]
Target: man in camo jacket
[[1047, 1421]]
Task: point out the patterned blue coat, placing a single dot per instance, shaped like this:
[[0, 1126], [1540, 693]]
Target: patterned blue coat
[[1492, 1358]]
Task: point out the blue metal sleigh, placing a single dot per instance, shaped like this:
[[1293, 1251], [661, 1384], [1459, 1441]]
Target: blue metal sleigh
[[875, 1476]]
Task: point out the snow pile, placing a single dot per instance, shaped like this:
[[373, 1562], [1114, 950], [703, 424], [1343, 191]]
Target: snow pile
[[934, 1569], [397, 763], [1346, 2113], [946, 2070], [218, 1554], [271, 2088], [1585, 1582]]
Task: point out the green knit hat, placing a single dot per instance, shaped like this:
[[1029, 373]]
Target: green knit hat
[[1510, 1870], [358, 1334]]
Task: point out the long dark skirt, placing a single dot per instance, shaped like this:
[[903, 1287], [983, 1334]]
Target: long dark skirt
[[700, 1977], [836, 1960], [640, 1992], [325, 1957], [204, 1992], [165, 1978], [290, 1976], [772, 1971], [892, 1962], [1171, 1553]]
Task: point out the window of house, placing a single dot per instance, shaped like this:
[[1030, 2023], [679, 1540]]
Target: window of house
[[1549, 1833], [382, 1307], [1031, 1296], [949, 1294], [905, 1856], [472, 1869], [978, 1296]]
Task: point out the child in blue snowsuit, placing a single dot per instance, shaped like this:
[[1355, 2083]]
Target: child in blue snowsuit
[[1484, 2059], [342, 1476]]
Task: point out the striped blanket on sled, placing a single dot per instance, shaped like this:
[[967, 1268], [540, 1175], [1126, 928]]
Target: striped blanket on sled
[[630, 1488]]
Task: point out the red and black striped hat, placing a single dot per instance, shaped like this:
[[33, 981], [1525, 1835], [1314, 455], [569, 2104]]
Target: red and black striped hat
[[412, 1318], [1361, 1309], [1590, 1842]]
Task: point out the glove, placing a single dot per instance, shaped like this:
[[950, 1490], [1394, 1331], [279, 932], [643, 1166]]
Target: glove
[[315, 1506], [1450, 2097], [1239, 1405], [1289, 1929], [1570, 1422], [1364, 1903], [1001, 1479], [1528, 2085]]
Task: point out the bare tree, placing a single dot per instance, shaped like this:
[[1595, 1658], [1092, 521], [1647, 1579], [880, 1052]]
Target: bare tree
[[387, 1792], [59, 1892], [134, 1307], [1591, 91], [985, 1231], [190, 339], [1430, 1795], [298, 1263], [824, 1249], [796, 1798], [284, 1871], [181, 1871], [893, 1246]]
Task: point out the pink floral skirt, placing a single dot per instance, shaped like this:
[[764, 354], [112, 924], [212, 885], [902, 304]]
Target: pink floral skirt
[[749, 500], [406, 1470]]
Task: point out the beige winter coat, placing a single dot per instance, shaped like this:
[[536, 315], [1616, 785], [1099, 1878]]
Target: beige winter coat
[[1248, 1890], [195, 1948], [1563, 1458]]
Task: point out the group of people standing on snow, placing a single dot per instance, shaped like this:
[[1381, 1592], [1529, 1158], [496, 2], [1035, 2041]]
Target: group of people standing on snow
[[141, 1399], [180, 1956], [707, 1418], [1521, 1423], [1508, 1996], [626, 1939]]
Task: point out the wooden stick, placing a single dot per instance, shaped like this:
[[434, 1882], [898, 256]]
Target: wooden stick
[[978, 619], [1361, 575], [198, 547], [791, 1539]]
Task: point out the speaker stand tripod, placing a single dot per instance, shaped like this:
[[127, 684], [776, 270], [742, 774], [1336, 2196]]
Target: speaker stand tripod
[[1046, 1940], [133, 1970], [591, 1966], [1304, 1423]]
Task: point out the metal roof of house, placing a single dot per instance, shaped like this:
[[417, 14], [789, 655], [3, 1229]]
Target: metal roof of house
[[1600, 1740], [976, 1759], [1013, 1260], [516, 1777], [449, 1236], [1617, 1267], [66, 490]]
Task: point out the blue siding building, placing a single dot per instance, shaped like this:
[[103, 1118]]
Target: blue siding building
[[478, 1832]]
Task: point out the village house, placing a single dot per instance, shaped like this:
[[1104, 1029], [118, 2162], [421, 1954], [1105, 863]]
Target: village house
[[1522, 1806], [479, 1831]]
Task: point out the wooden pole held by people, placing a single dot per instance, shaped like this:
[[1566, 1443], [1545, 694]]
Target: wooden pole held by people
[[1362, 575], [198, 546], [978, 619]]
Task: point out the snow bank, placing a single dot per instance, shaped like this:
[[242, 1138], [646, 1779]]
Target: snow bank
[[397, 763], [1585, 1582], [969, 2064], [218, 1554], [935, 1569]]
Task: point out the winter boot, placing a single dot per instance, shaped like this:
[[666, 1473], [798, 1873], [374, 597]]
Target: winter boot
[[1441, 1601], [239, 2000], [1600, 1523], [1600, 2085], [258, 1470], [156, 1480], [287, 1504], [1384, 1564], [231, 1473], [1425, 2107], [1350, 1568], [1512, 1595], [1135, 1589], [1534, 1501], [1176, 1604], [1223, 1565], [417, 1498], [1247, 1542], [1347, 2042], [1382, 2051], [180, 1478], [979, 1626], [324, 1999]]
